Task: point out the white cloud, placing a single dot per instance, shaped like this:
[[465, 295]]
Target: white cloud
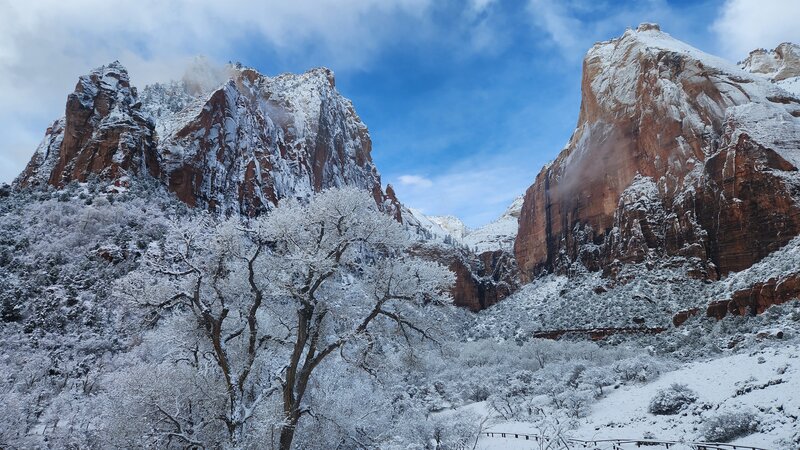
[[414, 180], [557, 21], [744, 25], [46, 44], [480, 5]]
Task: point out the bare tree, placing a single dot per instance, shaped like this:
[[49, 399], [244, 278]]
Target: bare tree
[[297, 286], [341, 264]]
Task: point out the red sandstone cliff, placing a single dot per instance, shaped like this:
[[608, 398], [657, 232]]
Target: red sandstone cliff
[[235, 148], [676, 154], [103, 132]]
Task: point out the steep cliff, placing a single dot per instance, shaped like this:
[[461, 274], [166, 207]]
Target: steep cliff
[[236, 147], [103, 132], [677, 154], [255, 140]]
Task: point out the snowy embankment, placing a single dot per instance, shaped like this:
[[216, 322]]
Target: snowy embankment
[[765, 383]]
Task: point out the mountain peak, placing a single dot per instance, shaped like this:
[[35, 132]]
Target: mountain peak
[[778, 64], [224, 138], [648, 26]]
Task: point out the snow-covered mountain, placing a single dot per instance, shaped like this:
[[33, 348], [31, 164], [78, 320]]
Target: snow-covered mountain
[[496, 235], [236, 147], [677, 154], [781, 65], [452, 225]]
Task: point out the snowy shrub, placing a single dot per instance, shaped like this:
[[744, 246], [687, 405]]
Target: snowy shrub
[[597, 378], [672, 400], [575, 404], [729, 425], [638, 369]]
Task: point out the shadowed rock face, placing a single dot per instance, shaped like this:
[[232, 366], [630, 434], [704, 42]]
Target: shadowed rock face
[[676, 154], [481, 280], [103, 133], [256, 140]]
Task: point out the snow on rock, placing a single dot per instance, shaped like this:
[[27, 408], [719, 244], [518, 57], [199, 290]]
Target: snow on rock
[[452, 225], [779, 64], [103, 132], [719, 146], [499, 234], [230, 140], [255, 140]]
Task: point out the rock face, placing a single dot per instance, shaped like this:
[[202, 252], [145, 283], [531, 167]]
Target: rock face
[[676, 154], [779, 64], [481, 280], [757, 298], [255, 140], [103, 133], [235, 148]]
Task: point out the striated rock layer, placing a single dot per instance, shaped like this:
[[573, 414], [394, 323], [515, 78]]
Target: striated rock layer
[[676, 154]]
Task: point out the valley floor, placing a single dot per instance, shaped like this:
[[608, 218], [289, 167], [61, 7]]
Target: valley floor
[[765, 381]]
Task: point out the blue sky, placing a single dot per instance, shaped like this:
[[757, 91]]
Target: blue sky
[[465, 100]]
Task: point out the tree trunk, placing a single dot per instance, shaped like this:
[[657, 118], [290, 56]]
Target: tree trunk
[[287, 435]]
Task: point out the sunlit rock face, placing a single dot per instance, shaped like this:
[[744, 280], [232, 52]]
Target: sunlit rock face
[[677, 153], [103, 132]]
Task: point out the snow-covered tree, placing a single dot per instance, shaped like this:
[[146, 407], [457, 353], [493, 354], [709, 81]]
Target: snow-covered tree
[[274, 298]]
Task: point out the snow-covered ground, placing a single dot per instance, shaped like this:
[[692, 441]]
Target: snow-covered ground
[[766, 382]]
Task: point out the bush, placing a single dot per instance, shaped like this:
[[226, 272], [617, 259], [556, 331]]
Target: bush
[[730, 425], [672, 400], [640, 369]]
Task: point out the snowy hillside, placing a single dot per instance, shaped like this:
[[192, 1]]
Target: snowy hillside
[[754, 392]]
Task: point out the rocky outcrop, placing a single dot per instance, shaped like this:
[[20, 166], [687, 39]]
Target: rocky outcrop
[[682, 316], [255, 140], [779, 64], [103, 133], [677, 154], [757, 298], [481, 280], [596, 334]]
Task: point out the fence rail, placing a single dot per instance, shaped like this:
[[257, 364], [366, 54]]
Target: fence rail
[[617, 444]]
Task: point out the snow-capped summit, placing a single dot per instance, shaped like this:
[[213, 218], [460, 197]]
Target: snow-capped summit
[[499, 234], [781, 65], [452, 225]]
